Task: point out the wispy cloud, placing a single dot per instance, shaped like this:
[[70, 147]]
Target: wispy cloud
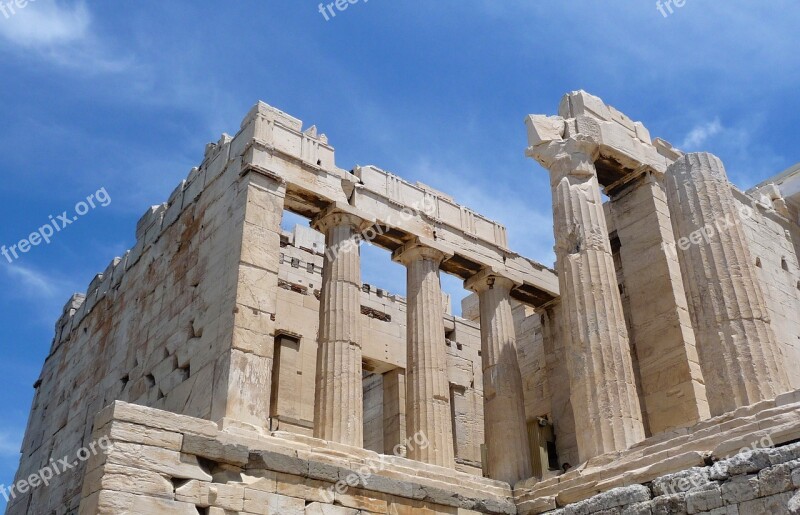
[[35, 283], [45, 23], [61, 34], [701, 133]]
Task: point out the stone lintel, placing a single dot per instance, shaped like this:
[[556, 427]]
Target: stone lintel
[[643, 173]]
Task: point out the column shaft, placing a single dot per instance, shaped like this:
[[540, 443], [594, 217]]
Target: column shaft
[[607, 412], [428, 396], [739, 356], [339, 410], [505, 430]]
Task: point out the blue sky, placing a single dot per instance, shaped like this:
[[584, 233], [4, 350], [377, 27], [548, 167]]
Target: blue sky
[[124, 95]]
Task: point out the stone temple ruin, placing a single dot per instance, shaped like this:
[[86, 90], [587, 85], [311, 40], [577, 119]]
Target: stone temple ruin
[[235, 367]]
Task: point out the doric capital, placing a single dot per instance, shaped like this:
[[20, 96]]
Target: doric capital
[[488, 278], [421, 248], [574, 156], [339, 213]]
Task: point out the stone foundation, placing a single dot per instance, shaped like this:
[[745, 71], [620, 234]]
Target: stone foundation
[[613, 483], [162, 463], [762, 481]]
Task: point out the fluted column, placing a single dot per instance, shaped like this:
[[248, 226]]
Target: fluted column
[[603, 391], [739, 356], [507, 445], [339, 405], [428, 389]]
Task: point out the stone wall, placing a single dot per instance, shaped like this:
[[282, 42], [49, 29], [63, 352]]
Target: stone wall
[[761, 481], [188, 321], [773, 241], [147, 330], [162, 463]]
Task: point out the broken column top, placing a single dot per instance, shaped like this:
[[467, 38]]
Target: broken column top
[[624, 145]]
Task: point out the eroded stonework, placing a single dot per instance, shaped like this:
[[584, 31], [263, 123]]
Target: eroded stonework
[[237, 367]]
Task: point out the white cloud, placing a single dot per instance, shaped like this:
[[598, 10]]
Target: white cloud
[[44, 23], [34, 283], [59, 33], [701, 134]]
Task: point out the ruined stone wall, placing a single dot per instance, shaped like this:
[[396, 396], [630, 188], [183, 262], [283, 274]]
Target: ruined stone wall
[[761, 481], [149, 330], [162, 463], [171, 323], [773, 241]]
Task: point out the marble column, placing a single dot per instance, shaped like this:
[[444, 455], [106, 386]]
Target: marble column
[[339, 409], [428, 389], [739, 356], [603, 391], [505, 430]]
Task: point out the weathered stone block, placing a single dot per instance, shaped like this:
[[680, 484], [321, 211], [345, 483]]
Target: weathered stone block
[[216, 449], [195, 492], [794, 504], [670, 505], [639, 508], [704, 500], [269, 460], [317, 508], [228, 497], [171, 463], [740, 489], [773, 504], [681, 482], [774, 480]]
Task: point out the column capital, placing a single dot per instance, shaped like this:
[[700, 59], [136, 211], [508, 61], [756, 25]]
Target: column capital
[[574, 156], [489, 278], [422, 248], [340, 213]]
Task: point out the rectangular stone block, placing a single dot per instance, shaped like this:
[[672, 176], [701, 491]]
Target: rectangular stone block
[[194, 492], [148, 417], [740, 489], [216, 449], [228, 497], [704, 500], [170, 463]]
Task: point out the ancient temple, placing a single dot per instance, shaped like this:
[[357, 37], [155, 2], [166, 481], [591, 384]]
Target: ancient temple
[[232, 365]]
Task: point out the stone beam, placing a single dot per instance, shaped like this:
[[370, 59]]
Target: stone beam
[[274, 144]]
